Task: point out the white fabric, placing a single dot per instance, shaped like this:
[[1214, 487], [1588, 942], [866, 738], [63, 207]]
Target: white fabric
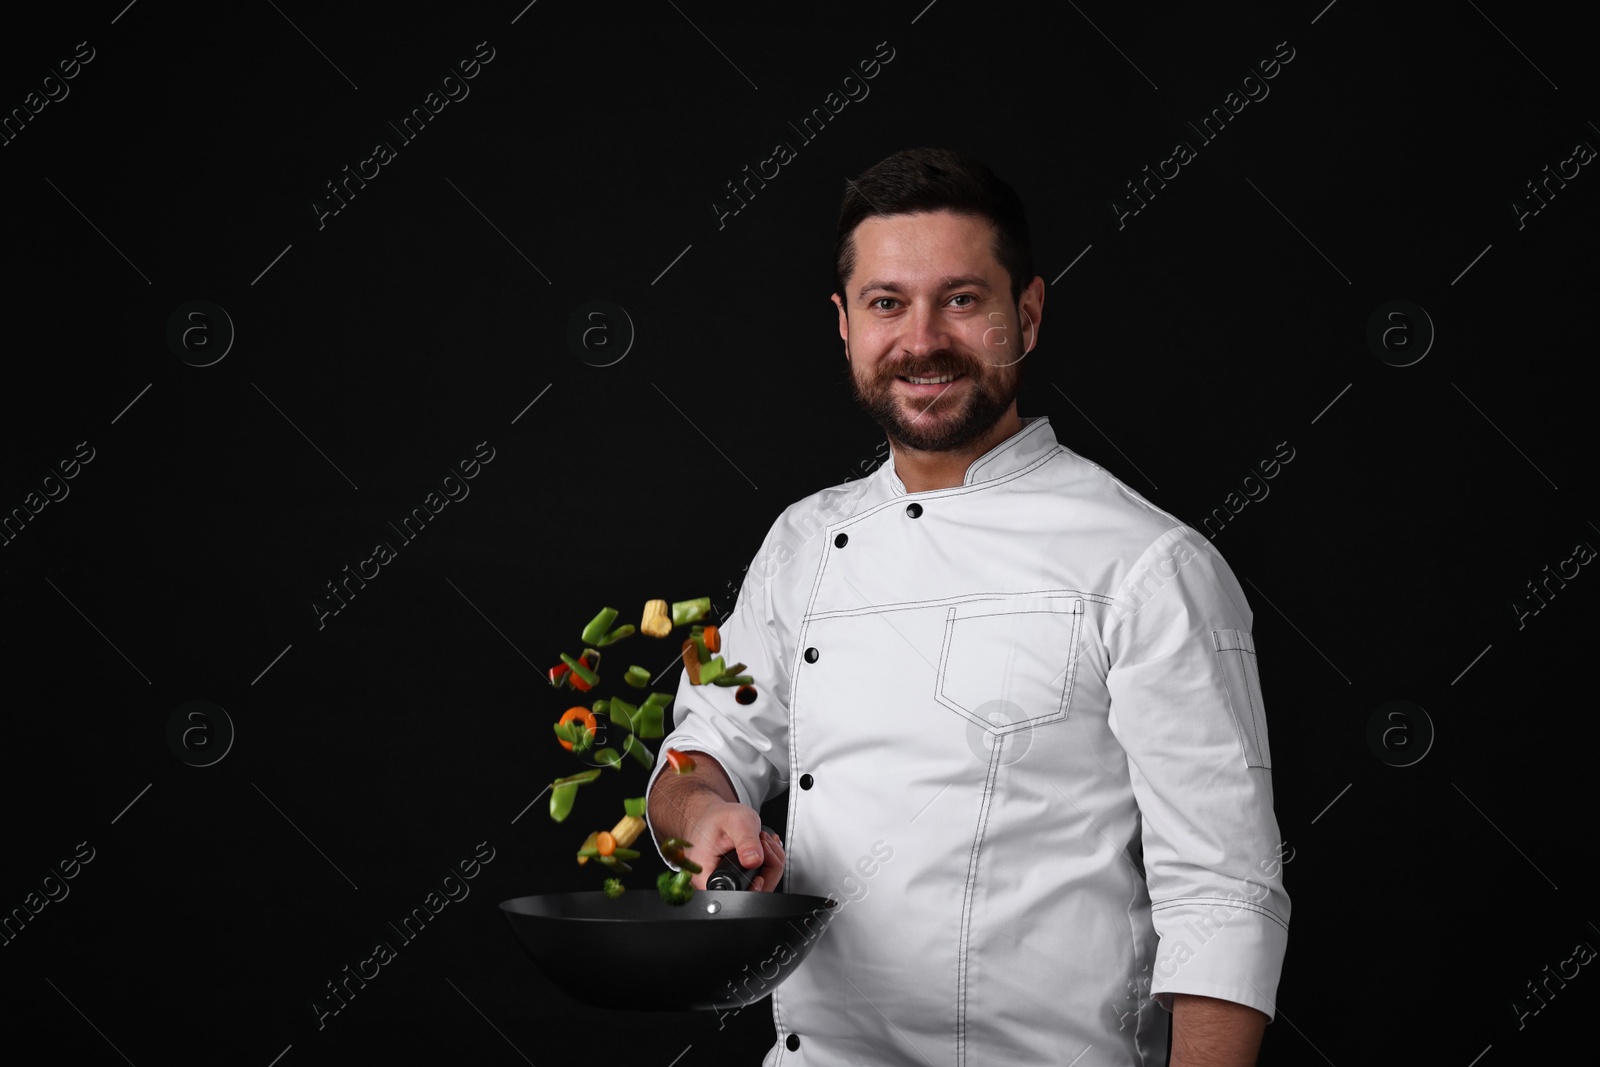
[[1041, 778]]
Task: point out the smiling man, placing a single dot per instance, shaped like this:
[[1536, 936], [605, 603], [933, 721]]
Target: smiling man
[[938, 372], [1029, 688]]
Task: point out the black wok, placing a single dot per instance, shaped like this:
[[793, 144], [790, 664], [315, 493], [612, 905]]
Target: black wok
[[723, 949]]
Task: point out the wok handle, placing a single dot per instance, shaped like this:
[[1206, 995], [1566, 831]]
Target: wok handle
[[729, 874]]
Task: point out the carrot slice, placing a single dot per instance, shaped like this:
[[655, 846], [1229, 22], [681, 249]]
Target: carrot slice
[[590, 723], [604, 843], [712, 639]]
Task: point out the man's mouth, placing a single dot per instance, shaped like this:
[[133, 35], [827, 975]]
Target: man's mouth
[[939, 380]]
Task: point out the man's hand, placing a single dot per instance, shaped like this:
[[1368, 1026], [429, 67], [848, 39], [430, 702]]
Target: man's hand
[[1208, 1032], [702, 808], [719, 826]]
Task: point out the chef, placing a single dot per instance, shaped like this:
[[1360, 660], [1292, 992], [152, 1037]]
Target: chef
[[1015, 704]]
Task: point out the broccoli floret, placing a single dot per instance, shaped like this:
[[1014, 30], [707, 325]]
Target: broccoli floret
[[675, 888], [613, 888]]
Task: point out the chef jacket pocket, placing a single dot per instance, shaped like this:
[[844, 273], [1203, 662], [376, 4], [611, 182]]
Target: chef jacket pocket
[[1236, 650], [1008, 663]]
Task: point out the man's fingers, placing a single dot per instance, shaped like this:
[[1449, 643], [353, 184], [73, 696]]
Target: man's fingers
[[727, 827], [723, 828], [773, 863], [746, 843]]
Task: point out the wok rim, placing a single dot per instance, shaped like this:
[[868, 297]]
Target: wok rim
[[816, 902]]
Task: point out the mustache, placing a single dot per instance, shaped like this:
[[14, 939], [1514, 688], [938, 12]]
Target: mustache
[[933, 366]]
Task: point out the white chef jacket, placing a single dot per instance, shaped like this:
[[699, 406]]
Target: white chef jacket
[[1021, 725]]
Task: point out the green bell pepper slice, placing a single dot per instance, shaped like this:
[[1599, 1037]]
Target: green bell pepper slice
[[581, 778], [563, 791], [617, 635], [711, 670], [647, 723], [622, 712], [561, 798], [636, 748], [598, 626], [575, 734], [672, 848], [580, 670], [690, 610]]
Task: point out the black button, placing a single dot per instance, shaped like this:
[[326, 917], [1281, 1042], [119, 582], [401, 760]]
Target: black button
[[812, 655], [841, 540], [792, 1042], [806, 781], [914, 510]]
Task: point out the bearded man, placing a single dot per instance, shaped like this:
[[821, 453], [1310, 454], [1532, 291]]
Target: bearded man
[[1015, 704]]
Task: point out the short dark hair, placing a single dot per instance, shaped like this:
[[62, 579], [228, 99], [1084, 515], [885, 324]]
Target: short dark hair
[[935, 179]]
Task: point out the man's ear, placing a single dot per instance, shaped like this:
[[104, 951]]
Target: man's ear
[[1033, 294], [844, 323]]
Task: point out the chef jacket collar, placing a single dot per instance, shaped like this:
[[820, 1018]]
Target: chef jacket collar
[[1021, 449]]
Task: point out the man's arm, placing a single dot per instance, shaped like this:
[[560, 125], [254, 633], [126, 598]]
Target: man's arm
[[751, 741], [1207, 1032], [1186, 708], [673, 795], [702, 808]]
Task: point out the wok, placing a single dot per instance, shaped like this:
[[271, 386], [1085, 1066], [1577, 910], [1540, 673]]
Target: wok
[[724, 949]]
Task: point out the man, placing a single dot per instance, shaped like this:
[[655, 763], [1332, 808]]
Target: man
[[1016, 705]]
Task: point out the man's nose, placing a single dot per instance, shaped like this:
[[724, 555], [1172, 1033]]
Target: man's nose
[[925, 331]]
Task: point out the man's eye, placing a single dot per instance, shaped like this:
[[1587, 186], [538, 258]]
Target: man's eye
[[963, 296], [882, 300]]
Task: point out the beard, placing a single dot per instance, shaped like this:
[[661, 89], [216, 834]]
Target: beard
[[944, 421]]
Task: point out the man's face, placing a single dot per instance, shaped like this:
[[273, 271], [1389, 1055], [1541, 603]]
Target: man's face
[[934, 341]]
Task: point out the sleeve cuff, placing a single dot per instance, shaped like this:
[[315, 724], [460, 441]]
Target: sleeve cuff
[[1229, 950]]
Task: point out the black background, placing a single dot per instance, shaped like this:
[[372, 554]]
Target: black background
[[372, 354]]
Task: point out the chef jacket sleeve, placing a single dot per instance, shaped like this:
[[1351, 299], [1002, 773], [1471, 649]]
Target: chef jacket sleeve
[[1186, 707], [751, 741]]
